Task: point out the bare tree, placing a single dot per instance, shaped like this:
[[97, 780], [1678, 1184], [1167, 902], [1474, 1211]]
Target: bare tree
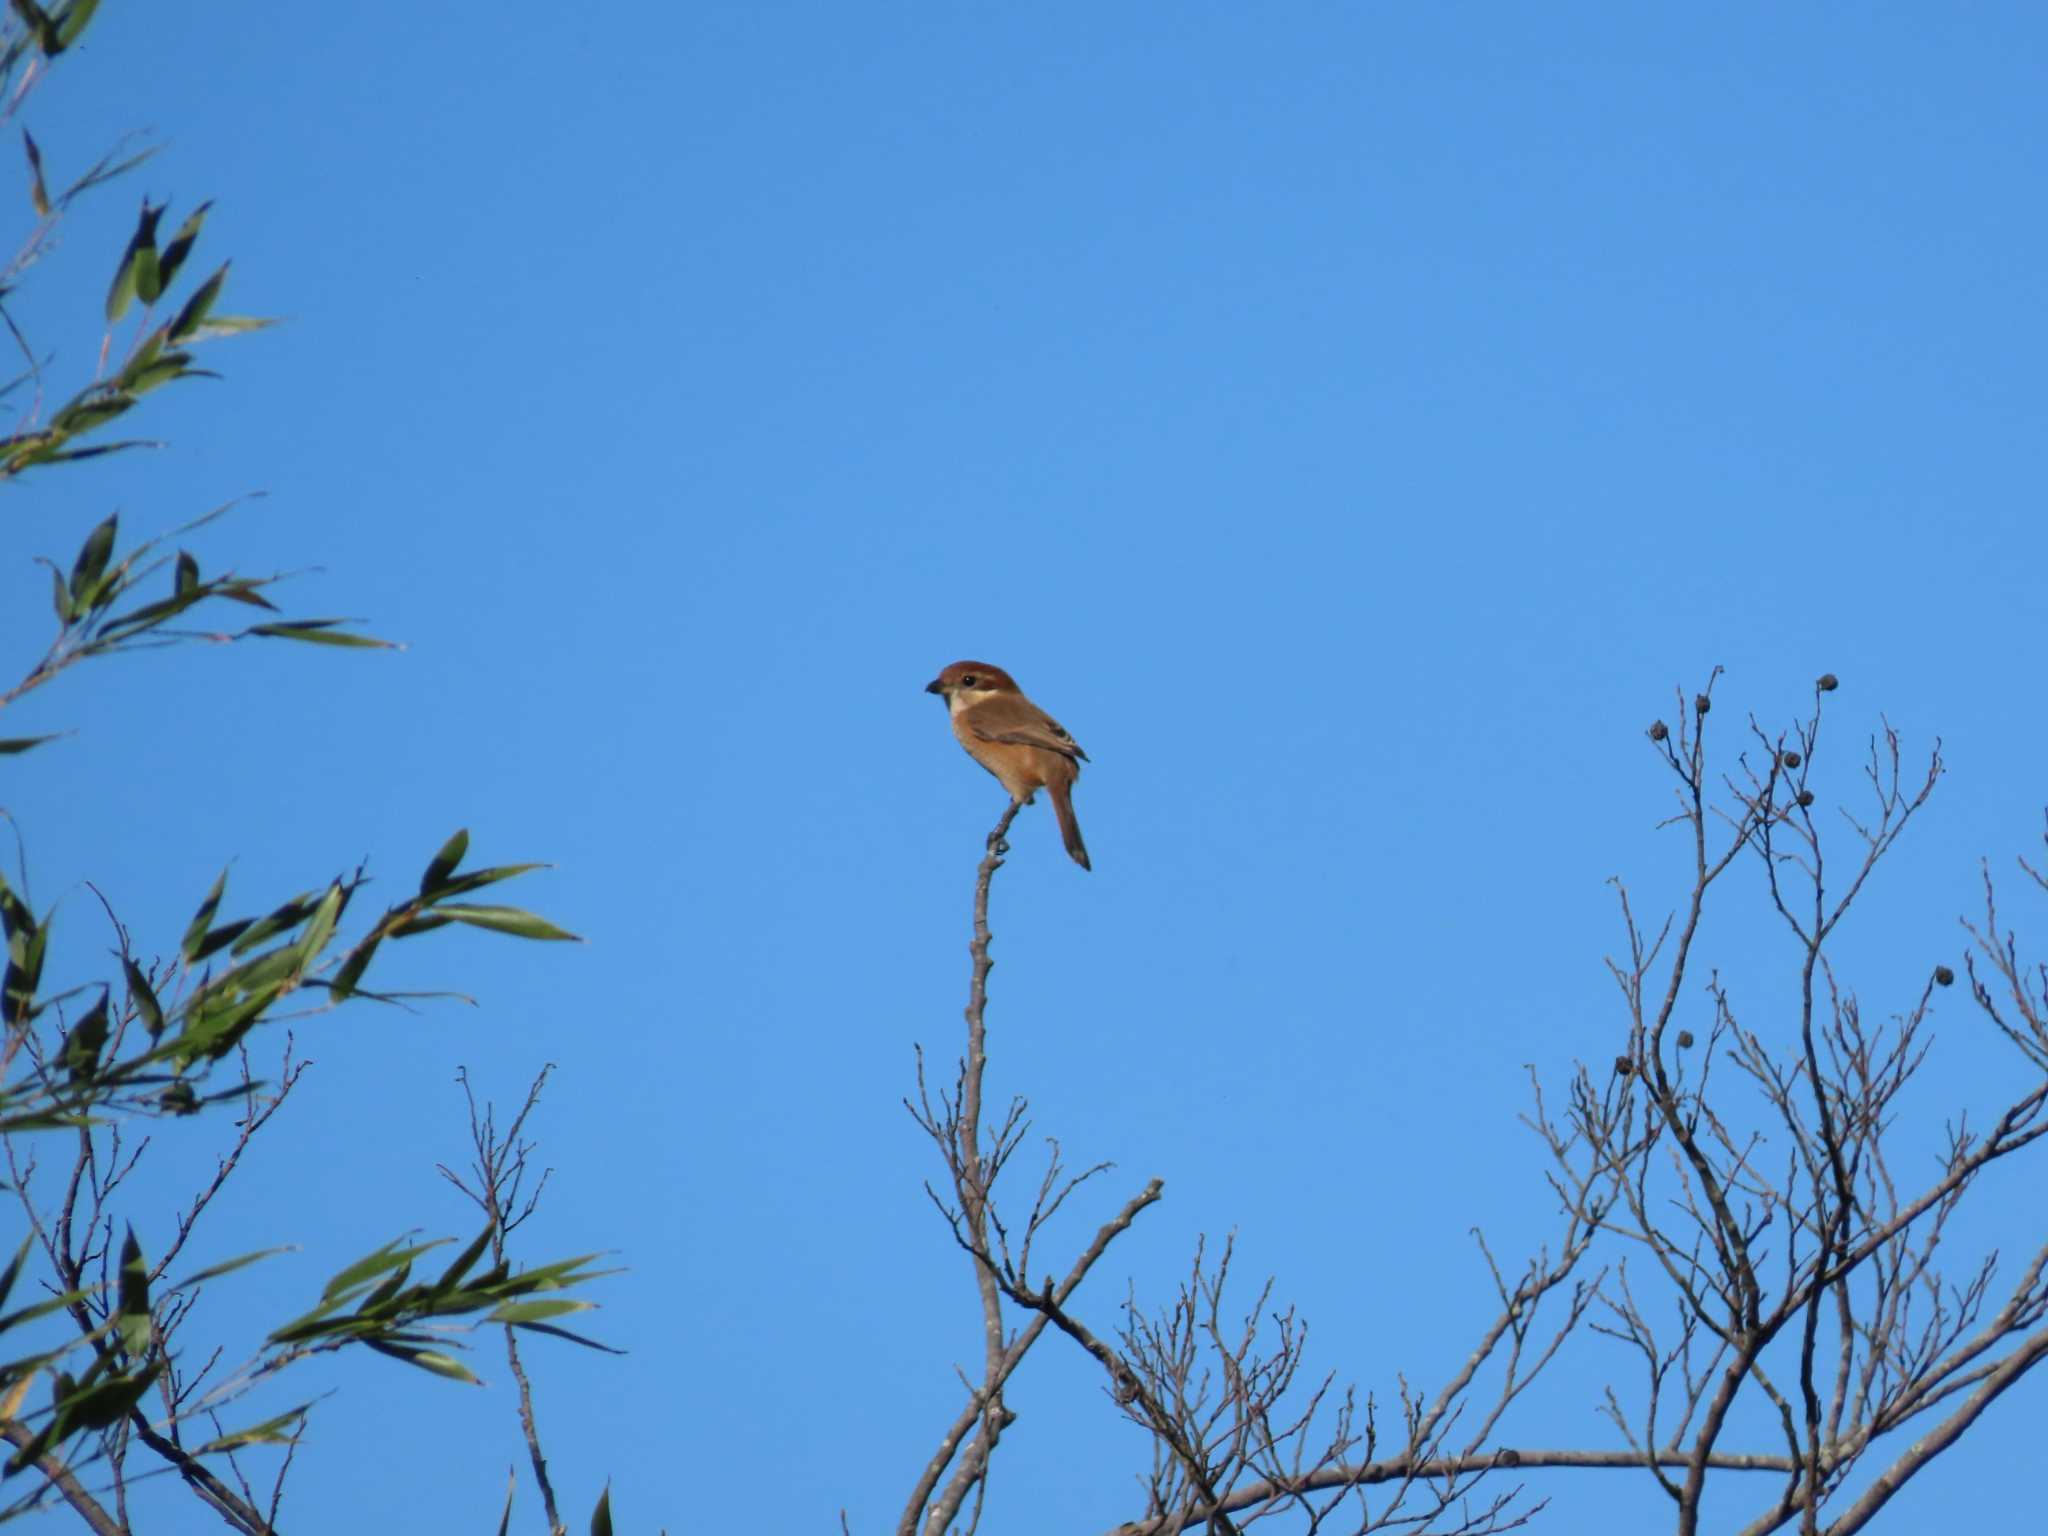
[[1732, 1213]]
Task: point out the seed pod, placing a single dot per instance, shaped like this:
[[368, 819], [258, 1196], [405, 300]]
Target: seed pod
[[1944, 977], [1657, 730], [1828, 682], [1685, 1039], [1806, 797]]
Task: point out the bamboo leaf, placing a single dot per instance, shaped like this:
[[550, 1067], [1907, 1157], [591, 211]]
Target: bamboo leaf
[[197, 307], [513, 920], [38, 194], [10, 1405], [319, 632], [463, 1260], [195, 933], [269, 1432], [390, 1256], [81, 1049], [143, 996], [290, 915], [352, 968], [476, 879], [122, 293], [537, 1311], [13, 1273], [181, 243], [133, 1317], [92, 559], [215, 326], [74, 20], [443, 864], [227, 1267]]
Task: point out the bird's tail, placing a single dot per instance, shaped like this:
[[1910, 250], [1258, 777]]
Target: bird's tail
[[1062, 796]]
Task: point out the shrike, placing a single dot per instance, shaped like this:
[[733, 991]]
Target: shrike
[[1024, 747]]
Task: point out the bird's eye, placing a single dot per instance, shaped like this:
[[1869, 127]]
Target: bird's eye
[[969, 680]]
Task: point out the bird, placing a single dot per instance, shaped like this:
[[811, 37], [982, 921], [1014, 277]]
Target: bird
[[1024, 747]]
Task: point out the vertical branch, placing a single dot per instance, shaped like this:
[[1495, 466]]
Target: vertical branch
[[500, 1174], [956, 1129], [973, 1179]]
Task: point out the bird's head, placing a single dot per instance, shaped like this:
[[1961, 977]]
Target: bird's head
[[965, 681]]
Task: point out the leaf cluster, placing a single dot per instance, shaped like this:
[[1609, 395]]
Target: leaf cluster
[[191, 1014]]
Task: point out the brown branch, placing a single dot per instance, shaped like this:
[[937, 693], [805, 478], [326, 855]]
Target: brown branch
[[1399, 1469], [60, 1477], [500, 1172]]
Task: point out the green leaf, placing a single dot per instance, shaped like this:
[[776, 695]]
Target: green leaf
[[511, 1487], [444, 862], [319, 632], [127, 625], [425, 923], [94, 409], [601, 1517], [92, 559], [73, 21], [443, 1364], [81, 1050], [142, 996], [25, 947], [227, 1267], [187, 578], [290, 915], [463, 1260], [42, 1308], [513, 920], [215, 326], [476, 879], [269, 1432], [13, 1271], [269, 970], [133, 1317], [15, 917], [149, 275], [353, 967], [430, 1360], [221, 937], [537, 1311], [179, 1099], [38, 194], [195, 933], [389, 1257], [198, 306], [181, 243], [320, 926], [12, 744], [126, 276], [61, 600], [140, 379], [98, 1406]]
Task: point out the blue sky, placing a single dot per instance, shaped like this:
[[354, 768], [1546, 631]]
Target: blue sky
[[1353, 421]]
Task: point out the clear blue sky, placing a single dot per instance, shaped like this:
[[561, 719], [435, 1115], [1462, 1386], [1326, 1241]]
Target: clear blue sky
[[1351, 420]]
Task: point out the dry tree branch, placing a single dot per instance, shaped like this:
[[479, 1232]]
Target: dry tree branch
[[499, 1171], [955, 1124]]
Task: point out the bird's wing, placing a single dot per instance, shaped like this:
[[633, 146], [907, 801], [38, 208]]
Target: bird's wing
[[1022, 722]]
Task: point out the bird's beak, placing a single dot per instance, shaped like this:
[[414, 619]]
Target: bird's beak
[[934, 686]]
